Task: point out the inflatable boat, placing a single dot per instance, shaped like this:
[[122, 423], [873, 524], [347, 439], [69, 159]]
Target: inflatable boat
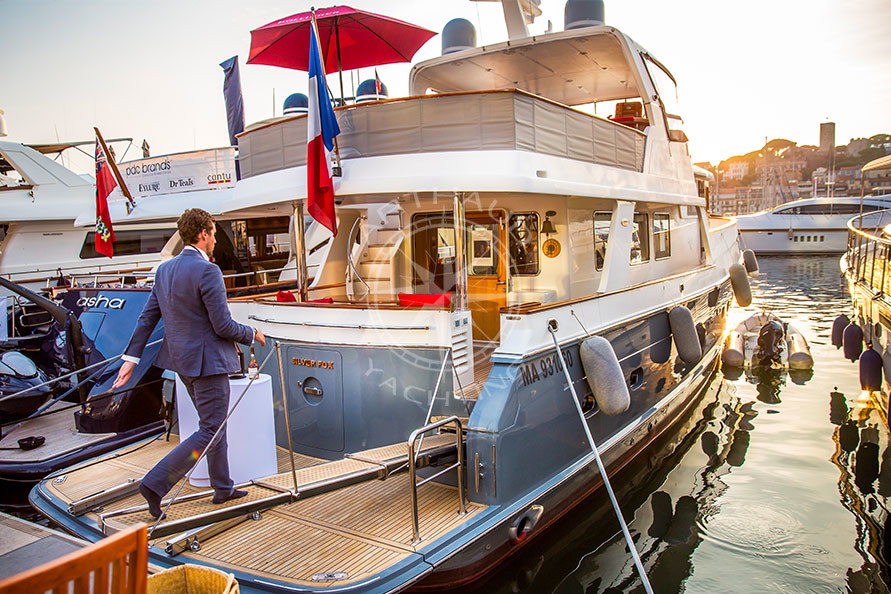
[[764, 340]]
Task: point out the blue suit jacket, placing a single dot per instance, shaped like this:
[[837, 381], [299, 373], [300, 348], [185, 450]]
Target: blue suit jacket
[[198, 329]]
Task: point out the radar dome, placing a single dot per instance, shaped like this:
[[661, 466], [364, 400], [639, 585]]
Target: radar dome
[[369, 91], [296, 103], [582, 13], [457, 35]]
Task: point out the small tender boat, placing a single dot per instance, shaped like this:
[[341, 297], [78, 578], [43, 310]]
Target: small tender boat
[[764, 340]]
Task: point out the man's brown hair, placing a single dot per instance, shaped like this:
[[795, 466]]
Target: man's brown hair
[[192, 222]]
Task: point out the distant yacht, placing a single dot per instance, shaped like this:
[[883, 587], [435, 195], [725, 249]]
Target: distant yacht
[[47, 225], [807, 226], [38, 240]]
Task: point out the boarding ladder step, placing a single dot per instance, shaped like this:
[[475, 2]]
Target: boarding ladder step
[[196, 510]]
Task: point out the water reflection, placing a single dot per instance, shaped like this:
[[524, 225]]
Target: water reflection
[[863, 458]]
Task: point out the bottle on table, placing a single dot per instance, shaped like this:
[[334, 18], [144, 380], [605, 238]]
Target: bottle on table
[[253, 368]]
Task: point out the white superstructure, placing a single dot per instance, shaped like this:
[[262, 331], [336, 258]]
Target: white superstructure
[[40, 200]]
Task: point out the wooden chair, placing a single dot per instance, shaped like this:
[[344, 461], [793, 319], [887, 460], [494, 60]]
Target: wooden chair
[[117, 565]]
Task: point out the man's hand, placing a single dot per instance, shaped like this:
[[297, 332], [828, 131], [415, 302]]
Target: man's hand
[[123, 374], [259, 337]]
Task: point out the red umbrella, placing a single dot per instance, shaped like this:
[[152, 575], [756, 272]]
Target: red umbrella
[[349, 38]]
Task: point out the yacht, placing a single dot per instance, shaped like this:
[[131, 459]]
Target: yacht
[[806, 226], [38, 240], [512, 278], [866, 269]]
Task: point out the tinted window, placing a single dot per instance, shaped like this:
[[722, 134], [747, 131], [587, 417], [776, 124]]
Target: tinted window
[[640, 236], [129, 243], [826, 209], [601, 237], [523, 238], [662, 235]]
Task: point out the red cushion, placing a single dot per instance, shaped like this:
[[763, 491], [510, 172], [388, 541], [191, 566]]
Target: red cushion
[[422, 299], [288, 297]]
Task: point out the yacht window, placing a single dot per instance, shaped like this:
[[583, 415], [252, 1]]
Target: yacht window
[[688, 212], [826, 209], [129, 243], [523, 238], [640, 245], [601, 237], [662, 235]]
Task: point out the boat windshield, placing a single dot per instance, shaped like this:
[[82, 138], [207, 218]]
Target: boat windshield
[[667, 90]]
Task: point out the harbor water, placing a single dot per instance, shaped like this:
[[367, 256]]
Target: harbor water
[[773, 484]]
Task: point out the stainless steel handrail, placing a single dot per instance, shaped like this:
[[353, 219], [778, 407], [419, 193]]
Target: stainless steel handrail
[[350, 254], [866, 232], [334, 325], [460, 465]]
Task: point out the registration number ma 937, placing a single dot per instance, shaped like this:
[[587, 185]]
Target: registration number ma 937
[[544, 367]]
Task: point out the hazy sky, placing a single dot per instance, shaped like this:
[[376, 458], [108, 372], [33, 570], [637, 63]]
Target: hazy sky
[[746, 70]]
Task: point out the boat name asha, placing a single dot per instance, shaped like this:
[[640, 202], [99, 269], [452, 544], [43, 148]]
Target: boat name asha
[[101, 301]]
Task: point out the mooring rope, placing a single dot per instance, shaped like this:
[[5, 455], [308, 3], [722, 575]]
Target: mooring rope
[[609, 489]]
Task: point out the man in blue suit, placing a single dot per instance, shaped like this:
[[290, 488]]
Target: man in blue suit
[[199, 336]]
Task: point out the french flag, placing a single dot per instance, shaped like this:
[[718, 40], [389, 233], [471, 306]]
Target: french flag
[[321, 128]]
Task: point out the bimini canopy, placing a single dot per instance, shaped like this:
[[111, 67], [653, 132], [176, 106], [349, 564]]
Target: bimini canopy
[[573, 67], [880, 163]]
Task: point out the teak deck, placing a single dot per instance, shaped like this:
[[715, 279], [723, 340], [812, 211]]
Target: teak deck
[[58, 428], [357, 531]]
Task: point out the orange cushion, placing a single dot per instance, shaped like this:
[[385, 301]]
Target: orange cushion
[[422, 299], [285, 297]]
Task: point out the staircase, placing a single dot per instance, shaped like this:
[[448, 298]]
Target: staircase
[[377, 258]]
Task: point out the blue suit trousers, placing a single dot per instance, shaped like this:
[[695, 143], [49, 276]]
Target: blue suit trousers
[[210, 395]]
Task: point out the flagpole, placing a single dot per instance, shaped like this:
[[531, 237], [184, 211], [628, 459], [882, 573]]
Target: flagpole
[[114, 168], [337, 171]]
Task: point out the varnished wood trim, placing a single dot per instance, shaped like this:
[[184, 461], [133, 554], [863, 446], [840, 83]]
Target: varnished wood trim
[[549, 306]]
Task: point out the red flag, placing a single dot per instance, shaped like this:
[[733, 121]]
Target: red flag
[[105, 183]]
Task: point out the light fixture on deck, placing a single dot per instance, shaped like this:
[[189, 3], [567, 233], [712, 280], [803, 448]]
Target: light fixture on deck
[[547, 227]]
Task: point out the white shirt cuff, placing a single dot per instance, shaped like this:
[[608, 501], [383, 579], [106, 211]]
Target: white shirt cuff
[[130, 358]]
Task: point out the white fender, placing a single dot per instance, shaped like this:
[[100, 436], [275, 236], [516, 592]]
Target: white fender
[[605, 375], [750, 261], [683, 331], [739, 280]]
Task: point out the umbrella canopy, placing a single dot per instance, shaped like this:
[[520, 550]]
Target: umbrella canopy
[[349, 38]]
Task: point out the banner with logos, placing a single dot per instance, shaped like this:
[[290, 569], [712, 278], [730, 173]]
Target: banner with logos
[[180, 172]]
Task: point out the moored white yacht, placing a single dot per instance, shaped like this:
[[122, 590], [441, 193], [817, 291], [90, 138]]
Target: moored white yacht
[[866, 268], [806, 226], [481, 220], [40, 200]]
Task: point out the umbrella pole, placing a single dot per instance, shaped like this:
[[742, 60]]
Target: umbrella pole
[[339, 63]]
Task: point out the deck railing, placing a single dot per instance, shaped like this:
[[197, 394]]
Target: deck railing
[[869, 251], [477, 121]]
